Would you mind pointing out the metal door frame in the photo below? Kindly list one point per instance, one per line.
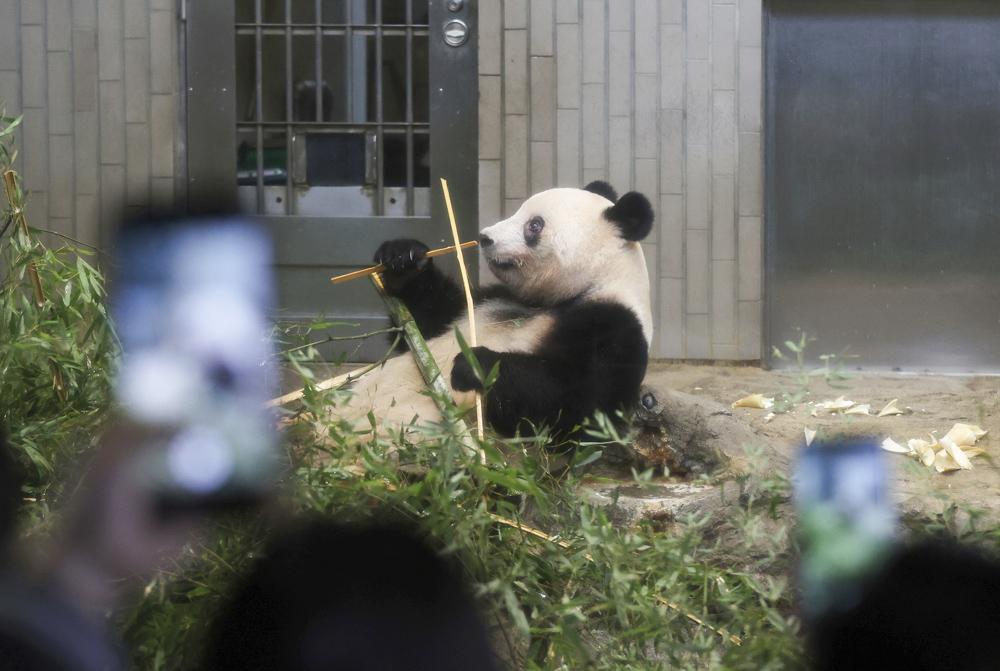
(210, 36)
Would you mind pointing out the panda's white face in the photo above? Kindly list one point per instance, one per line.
(556, 246)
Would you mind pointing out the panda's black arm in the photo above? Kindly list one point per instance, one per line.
(594, 359)
(433, 298)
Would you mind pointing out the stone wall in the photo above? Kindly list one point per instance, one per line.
(660, 96)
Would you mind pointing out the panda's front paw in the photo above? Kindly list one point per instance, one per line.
(402, 256)
(463, 378)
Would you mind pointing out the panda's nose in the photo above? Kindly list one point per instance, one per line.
(485, 241)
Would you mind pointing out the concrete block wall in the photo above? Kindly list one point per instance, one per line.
(97, 81)
(658, 96)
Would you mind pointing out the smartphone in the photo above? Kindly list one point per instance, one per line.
(846, 521)
(190, 301)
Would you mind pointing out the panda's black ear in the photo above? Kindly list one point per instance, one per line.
(633, 214)
(602, 189)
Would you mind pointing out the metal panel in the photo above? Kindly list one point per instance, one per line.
(342, 117)
(209, 57)
(454, 119)
(883, 151)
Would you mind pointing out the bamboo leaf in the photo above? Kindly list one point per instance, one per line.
(12, 124)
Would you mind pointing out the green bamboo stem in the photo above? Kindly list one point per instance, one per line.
(15, 200)
(429, 370)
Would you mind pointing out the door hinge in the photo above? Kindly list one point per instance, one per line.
(182, 10)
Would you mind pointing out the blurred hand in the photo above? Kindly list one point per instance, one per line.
(114, 530)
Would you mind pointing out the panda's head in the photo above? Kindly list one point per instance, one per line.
(562, 243)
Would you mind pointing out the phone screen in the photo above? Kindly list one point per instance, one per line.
(846, 521)
(191, 304)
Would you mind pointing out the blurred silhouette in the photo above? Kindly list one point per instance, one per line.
(933, 606)
(871, 602)
(10, 495)
(40, 629)
(331, 597)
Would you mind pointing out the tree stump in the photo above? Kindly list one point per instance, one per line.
(686, 435)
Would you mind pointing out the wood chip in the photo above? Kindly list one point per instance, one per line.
(890, 409)
(758, 401)
(890, 445)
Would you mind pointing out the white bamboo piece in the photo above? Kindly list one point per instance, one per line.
(473, 341)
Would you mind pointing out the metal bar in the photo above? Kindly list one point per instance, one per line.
(305, 28)
(318, 74)
(409, 108)
(379, 115)
(289, 107)
(419, 126)
(349, 60)
(259, 87)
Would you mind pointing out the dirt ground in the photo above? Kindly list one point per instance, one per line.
(932, 402)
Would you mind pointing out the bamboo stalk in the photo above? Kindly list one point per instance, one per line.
(10, 186)
(364, 272)
(441, 392)
(329, 383)
(469, 305)
(17, 211)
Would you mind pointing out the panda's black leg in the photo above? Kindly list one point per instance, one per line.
(593, 359)
(528, 392)
(433, 298)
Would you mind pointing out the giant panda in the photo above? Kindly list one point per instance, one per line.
(569, 320)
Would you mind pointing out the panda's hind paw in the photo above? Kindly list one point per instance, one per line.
(401, 256)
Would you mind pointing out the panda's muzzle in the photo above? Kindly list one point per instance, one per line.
(503, 263)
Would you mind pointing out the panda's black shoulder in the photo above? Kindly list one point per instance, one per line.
(586, 324)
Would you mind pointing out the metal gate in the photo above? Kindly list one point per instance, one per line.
(337, 119)
(883, 154)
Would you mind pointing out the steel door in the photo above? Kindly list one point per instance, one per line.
(331, 121)
(883, 154)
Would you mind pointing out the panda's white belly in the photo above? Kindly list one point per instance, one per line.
(394, 392)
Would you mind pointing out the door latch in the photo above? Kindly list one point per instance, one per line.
(456, 32)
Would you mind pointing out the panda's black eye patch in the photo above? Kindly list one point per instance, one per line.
(533, 230)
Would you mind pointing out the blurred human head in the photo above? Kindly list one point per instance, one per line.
(933, 606)
(330, 597)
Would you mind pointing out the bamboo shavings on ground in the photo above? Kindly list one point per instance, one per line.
(890, 409)
(952, 452)
(839, 404)
(758, 401)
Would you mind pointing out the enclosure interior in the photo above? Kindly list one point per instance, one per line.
(882, 159)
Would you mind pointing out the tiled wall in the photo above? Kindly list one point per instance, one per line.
(659, 96)
(97, 81)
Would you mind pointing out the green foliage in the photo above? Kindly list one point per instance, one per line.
(795, 353)
(56, 343)
(588, 595)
